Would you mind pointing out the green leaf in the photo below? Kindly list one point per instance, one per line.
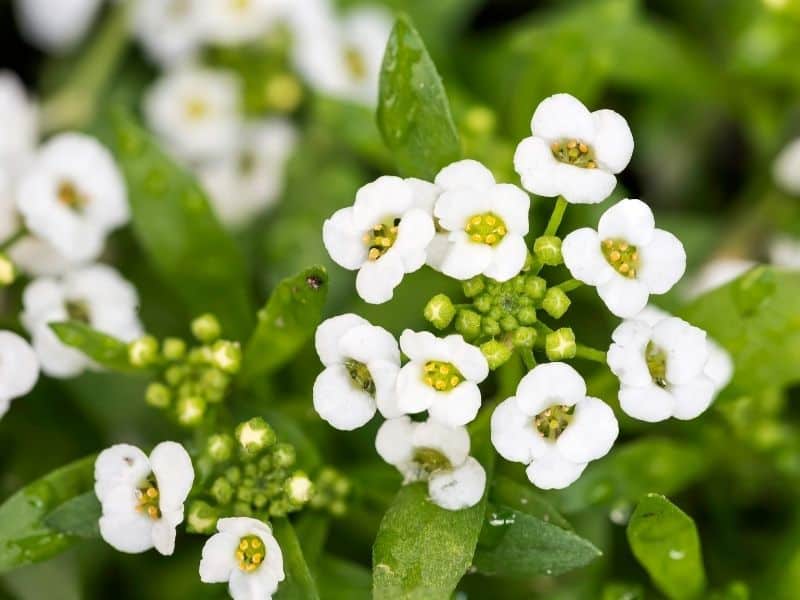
(422, 550)
(516, 544)
(78, 516)
(286, 323)
(298, 584)
(524, 499)
(25, 537)
(177, 229)
(312, 529)
(343, 580)
(102, 348)
(413, 111)
(650, 464)
(664, 540)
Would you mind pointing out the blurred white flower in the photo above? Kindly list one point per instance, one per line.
(249, 180)
(342, 57)
(483, 222)
(552, 426)
(170, 31)
(627, 258)
(384, 234)
(19, 368)
(432, 452)
(72, 195)
(196, 111)
(716, 273)
(573, 152)
(96, 295)
(361, 365)
(786, 168)
(784, 251)
(19, 129)
(246, 555)
(442, 377)
(55, 26)
(230, 22)
(142, 498)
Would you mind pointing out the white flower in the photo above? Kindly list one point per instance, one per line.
(343, 58)
(361, 366)
(20, 126)
(236, 21)
(96, 295)
(786, 169)
(627, 258)
(573, 153)
(784, 251)
(196, 111)
(55, 26)
(19, 368)
(662, 369)
(717, 273)
(442, 377)
(142, 498)
(72, 195)
(171, 31)
(552, 426)
(435, 453)
(246, 182)
(246, 555)
(383, 235)
(484, 223)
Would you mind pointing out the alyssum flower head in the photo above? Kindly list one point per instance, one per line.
(142, 498)
(434, 453)
(573, 153)
(361, 366)
(552, 426)
(627, 258)
(19, 368)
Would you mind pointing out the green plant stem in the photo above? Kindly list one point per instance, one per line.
(569, 285)
(556, 216)
(18, 235)
(589, 353)
(528, 358)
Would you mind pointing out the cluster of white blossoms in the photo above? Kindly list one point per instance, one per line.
(470, 227)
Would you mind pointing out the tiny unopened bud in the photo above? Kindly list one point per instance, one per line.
(490, 326)
(535, 287)
(483, 303)
(158, 395)
(560, 344)
(8, 272)
(497, 353)
(284, 455)
(233, 474)
(468, 324)
(524, 337)
(173, 348)
(255, 435)
(221, 490)
(299, 488)
(283, 92)
(508, 323)
(547, 249)
(175, 374)
(440, 311)
(526, 315)
(220, 447)
(480, 120)
(243, 509)
(337, 508)
(473, 287)
(206, 328)
(143, 352)
(556, 302)
(227, 356)
(201, 517)
(191, 410)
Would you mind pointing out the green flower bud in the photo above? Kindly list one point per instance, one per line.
(158, 395)
(483, 303)
(233, 474)
(299, 488)
(284, 455)
(480, 120)
(260, 500)
(518, 284)
(243, 509)
(255, 435)
(206, 328)
(548, 250)
(497, 313)
(508, 323)
(202, 355)
(468, 324)
(280, 507)
(227, 356)
(143, 352)
(556, 302)
(337, 508)
(440, 311)
(8, 272)
(265, 464)
(560, 344)
(535, 287)
(201, 517)
(527, 315)
(490, 326)
(220, 447)
(175, 374)
(496, 353)
(245, 494)
(473, 287)
(173, 348)
(221, 490)
(250, 471)
(191, 410)
(524, 337)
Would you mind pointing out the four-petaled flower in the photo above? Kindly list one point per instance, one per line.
(19, 368)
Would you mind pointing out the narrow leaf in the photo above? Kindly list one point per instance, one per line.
(664, 540)
(298, 585)
(524, 499)
(340, 579)
(78, 516)
(413, 110)
(102, 348)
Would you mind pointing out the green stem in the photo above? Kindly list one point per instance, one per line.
(18, 235)
(569, 285)
(589, 353)
(528, 358)
(556, 216)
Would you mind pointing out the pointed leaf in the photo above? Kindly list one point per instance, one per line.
(105, 350)
(298, 585)
(79, 516)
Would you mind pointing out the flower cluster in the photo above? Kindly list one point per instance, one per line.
(471, 228)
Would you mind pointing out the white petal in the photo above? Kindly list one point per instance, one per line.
(413, 394)
(19, 367)
(414, 233)
(458, 406)
(584, 258)
(384, 375)
(550, 384)
(623, 296)
(786, 169)
(338, 401)
(464, 174)
(662, 262)
(418, 345)
(536, 165)
(508, 258)
(626, 357)
(454, 208)
(132, 535)
(330, 333)
(377, 279)
(563, 116)
(628, 220)
(466, 259)
(173, 470)
(343, 240)
(467, 358)
(243, 526)
(513, 434)
(553, 471)
(453, 442)
(425, 193)
(458, 488)
(368, 342)
(647, 403)
(584, 186)
(651, 315)
(250, 586)
(719, 367)
(437, 251)
(163, 533)
(512, 205)
(591, 433)
(685, 346)
(613, 140)
(218, 558)
(386, 197)
(693, 398)
(121, 464)
(394, 441)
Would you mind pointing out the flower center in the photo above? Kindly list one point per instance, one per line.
(355, 63)
(250, 553)
(574, 152)
(196, 108)
(78, 310)
(552, 421)
(240, 5)
(360, 376)
(441, 376)
(381, 237)
(430, 460)
(246, 163)
(622, 256)
(487, 228)
(178, 8)
(70, 196)
(147, 498)
(656, 360)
